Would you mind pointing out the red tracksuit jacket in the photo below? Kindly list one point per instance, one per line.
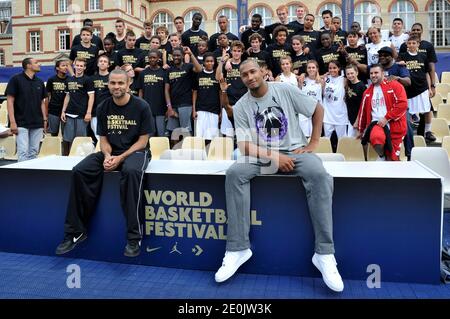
(396, 104)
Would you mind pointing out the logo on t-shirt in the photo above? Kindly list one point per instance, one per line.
(271, 124)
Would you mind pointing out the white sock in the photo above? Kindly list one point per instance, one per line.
(427, 127)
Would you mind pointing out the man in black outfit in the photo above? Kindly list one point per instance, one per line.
(95, 39)
(191, 37)
(124, 125)
(255, 28)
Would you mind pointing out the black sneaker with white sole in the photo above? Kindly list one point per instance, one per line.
(70, 242)
(133, 248)
(429, 137)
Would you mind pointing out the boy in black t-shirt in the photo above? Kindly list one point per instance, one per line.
(143, 42)
(206, 98)
(278, 50)
(78, 103)
(151, 84)
(101, 90)
(124, 125)
(129, 55)
(328, 52)
(192, 36)
(86, 50)
(222, 40)
(56, 89)
(255, 52)
(236, 88)
(178, 91)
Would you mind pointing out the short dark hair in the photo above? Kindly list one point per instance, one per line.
(103, 56)
(58, 62)
(120, 21)
(130, 33)
(208, 54)
(85, 21)
(398, 19)
(257, 16)
(377, 65)
(278, 29)
(158, 53)
(197, 14)
(413, 37)
(179, 18)
(354, 33)
(26, 62)
(324, 12)
(419, 24)
(311, 15)
(87, 29)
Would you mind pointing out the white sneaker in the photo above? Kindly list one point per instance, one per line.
(330, 275)
(381, 159)
(231, 263)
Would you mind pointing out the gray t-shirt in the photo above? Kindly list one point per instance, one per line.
(272, 120)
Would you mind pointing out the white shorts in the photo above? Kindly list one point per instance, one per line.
(226, 127)
(420, 103)
(207, 125)
(341, 130)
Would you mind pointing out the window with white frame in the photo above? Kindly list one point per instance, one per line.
(34, 7)
(163, 19)
(64, 40)
(130, 6)
(94, 5)
(333, 7)
(143, 13)
(63, 6)
(188, 20)
(439, 22)
(5, 14)
(2, 57)
(35, 41)
(364, 12)
(97, 32)
(405, 10)
(231, 14)
(265, 13)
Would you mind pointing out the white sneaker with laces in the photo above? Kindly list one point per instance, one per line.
(231, 263)
(330, 275)
(381, 159)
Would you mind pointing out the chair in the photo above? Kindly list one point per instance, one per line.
(446, 144)
(9, 143)
(51, 145)
(445, 77)
(158, 145)
(4, 106)
(324, 145)
(82, 146)
(443, 89)
(97, 147)
(351, 148)
(443, 112)
(3, 88)
(436, 101)
(331, 157)
(436, 77)
(439, 128)
(419, 141)
(184, 154)
(436, 159)
(193, 142)
(3, 117)
(221, 148)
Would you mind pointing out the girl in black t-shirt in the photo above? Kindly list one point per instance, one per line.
(354, 91)
(299, 58)
(327, 53)
(56, 89)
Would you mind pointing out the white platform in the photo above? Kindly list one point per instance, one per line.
(336, 169)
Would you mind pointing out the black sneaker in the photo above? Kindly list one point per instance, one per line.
(429, 137)
(69, 243)
(132, 249)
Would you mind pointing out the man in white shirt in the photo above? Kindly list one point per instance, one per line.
(398, 37)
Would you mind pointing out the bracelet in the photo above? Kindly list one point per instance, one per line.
(45, 120)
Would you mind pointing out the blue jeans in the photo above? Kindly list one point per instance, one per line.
(28, 142)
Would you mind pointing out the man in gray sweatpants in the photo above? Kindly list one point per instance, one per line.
(271, 140)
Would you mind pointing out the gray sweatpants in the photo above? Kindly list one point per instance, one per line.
(319, 192)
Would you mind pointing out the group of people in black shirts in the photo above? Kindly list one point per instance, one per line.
(192, 82)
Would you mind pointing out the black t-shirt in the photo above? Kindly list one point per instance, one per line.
(101, 90)
(89, 54)
(417, 66)
(353, 99)
(261, 56)
(298, 25)
(152, 83)
(79, 89)
(129, 56)
(143, 43)
(191, 38)
(326, 55)
(56, 87)
(218, 56)
(276, 52)
(112, 60)
(208, 90)
(123, 125)
(181, 81)
(237, 88)
(292, 30)
(95, 40)
(134, 88)
(213, 44)
(120, 45)
(247, 33)
(299, 62)
(360, 55)
(340, 36)
(424, 47)
(28, 95)
(312, 39)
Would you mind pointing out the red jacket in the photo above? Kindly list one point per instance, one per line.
(396, 104)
